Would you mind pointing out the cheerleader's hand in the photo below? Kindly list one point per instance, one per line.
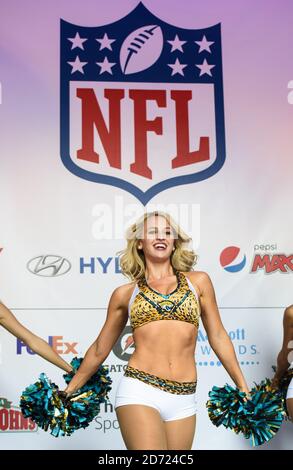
(65, 397)
(276, 381)
(246, 391)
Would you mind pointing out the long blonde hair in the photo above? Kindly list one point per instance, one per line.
(132, 260)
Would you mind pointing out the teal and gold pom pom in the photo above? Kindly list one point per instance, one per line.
(100, 382)
(226, 406)
(40, 402)
(257, 417)
(266, 386)
(44, 404)
(266, 413)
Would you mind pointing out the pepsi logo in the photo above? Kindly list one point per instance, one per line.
(232, 259)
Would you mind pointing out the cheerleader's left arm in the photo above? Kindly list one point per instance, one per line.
(285, 354)
(218, 337)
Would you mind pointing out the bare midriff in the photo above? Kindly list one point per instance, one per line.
(166, 348)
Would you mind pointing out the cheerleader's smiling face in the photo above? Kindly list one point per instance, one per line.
(158, 238)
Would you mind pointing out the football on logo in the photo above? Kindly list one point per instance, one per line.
(232, 260)
(141, 49)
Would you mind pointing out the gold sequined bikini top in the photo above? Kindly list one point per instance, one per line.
(147, 305)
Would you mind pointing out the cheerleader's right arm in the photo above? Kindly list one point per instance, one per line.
(117, 316)
(34, 342)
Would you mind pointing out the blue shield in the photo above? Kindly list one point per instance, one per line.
(142, 104)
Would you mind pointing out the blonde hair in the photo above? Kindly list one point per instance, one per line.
(132, 260)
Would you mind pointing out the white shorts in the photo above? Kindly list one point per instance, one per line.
(290, 390)
(132, 391)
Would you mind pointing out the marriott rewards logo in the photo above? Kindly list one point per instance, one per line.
(247, 352)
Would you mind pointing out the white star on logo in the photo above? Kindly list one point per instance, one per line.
(77, 41)
(205, 68)
(177, 67)
(77, 65)
(176, 44)
(204, 45)
(105, 42)
(106, 66)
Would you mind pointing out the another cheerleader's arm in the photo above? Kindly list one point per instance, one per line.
(117, 316)
(34, 342)
(218, 338)
(287, 346)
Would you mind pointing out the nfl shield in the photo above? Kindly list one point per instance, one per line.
(142, 103)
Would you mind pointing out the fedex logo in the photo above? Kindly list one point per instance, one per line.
(56, 342)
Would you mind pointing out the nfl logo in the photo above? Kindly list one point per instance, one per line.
(142, 103)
